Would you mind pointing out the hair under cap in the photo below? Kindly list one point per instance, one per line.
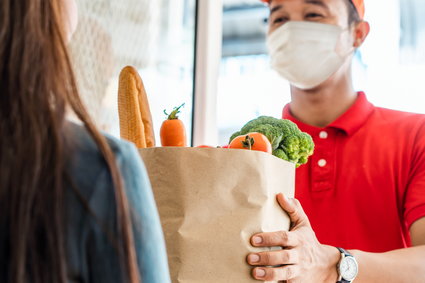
(359, 4)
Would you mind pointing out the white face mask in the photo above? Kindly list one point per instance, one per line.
(306, 53)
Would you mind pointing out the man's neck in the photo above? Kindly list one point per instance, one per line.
(321, 106)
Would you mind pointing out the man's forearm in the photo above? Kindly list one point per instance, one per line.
(398, 266)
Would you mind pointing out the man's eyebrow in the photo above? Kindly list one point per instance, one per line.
(276, 8)
(313, 2)
(318, 3)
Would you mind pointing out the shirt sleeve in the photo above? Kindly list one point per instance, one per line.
(414, 206)
(148, 235)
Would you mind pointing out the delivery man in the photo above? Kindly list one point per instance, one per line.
(359, 211)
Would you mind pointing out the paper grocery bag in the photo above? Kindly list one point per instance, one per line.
(211, 201)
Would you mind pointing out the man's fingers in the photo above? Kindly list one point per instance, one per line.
(273, 258)
(276, 274)
(275, 239)
(294, 209)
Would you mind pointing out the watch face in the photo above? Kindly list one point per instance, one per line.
(348, 268)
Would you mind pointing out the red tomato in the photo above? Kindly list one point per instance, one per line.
(204, 146)
(252, 141)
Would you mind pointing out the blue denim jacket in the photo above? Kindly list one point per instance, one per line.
(91, 214)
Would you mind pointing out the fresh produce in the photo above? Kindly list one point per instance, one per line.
(173, 132)
(252, 141)
(287, 141)
(133, 108)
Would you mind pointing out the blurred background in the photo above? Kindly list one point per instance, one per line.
(157, 37)
(212, 56)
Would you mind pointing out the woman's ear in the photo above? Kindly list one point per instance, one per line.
(361, 31)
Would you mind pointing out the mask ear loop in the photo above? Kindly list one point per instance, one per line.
(339, 48)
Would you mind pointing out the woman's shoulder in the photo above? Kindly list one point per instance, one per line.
(95, 189)
(90, 206)
(83, 144)
(86, 165)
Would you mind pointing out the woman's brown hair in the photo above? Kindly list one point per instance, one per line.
(37, 86)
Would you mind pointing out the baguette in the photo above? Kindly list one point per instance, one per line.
(145, 112)
(131, 123)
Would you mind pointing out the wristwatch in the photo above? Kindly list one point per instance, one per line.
(347, 267)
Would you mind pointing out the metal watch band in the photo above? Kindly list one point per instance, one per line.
(346, 253)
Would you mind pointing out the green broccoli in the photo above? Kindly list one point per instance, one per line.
(288, 142)
(273, 134)
(280, 154)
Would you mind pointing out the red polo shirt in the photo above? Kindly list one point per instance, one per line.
(365, 183)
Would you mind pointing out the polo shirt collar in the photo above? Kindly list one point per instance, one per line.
(349, 122)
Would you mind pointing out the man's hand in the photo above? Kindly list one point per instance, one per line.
(302, 259)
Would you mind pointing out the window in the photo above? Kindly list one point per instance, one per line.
(156, 37)
(412, 28)
(247, 87)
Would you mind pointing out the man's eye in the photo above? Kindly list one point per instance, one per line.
(280, 20)
(313, 16)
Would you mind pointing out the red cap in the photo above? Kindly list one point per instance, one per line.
(360, 7)
(358, 3)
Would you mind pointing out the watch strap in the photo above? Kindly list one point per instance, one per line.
(346, 254)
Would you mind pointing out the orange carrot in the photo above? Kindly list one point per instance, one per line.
(173, 132)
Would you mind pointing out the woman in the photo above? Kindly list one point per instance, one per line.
(74, 206)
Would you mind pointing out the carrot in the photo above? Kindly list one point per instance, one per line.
(173, 132)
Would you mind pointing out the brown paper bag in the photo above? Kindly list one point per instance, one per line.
(211, 201)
